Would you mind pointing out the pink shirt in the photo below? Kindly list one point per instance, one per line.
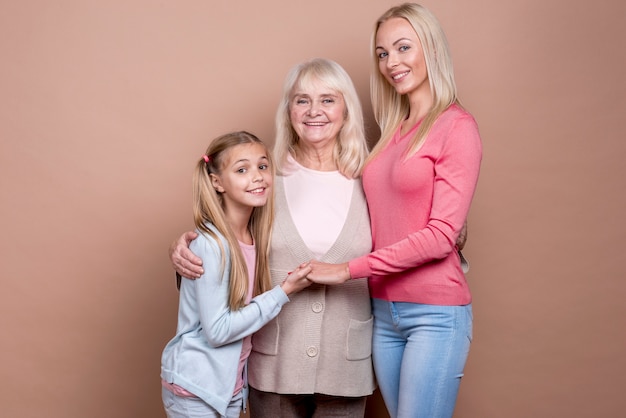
(417, 209)
(249, 254)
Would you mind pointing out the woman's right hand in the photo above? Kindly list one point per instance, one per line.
(296, 280)
(183, 260)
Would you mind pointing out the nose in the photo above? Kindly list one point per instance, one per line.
(392, 60)
(314, 109)
(257, 176)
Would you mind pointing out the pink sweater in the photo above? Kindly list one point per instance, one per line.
(417, 209)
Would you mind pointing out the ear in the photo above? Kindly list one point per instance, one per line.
(217, 184)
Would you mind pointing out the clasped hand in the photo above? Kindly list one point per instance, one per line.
(188, 265)
(324, 273)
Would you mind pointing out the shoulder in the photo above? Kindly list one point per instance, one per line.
(455, 124)
(207, 244)
(455, 116)
(455, 132)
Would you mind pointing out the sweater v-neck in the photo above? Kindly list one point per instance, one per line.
(399, 137)
(299, 248)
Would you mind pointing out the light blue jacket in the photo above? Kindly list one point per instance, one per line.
(204, 355)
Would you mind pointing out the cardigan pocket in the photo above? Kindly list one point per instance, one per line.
(265, 340)
(360, 339)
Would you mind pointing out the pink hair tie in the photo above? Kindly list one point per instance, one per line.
(207, 159)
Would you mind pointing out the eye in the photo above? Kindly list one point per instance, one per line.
(301, 101)
(382, 55)
(328, 101)
(264, 167)
(241, 170)
(404, 48)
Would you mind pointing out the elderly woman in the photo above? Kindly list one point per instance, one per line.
(315, 357)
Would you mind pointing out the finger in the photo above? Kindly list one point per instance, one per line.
(303, 271)
(190, 257)
(301, 274)
(188, 237)
(190, 274)
(188, 269)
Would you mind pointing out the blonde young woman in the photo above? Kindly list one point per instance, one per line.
(419, 182)
(314, 359)
(202, 367)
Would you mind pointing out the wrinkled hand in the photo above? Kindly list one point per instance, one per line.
(324, 273)
(186, 263)
(297, 280)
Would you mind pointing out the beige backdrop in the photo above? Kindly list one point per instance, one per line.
(106, 106)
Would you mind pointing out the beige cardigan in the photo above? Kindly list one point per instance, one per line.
(321, 340)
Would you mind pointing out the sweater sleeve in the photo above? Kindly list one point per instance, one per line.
(456, 170)
(220, 324)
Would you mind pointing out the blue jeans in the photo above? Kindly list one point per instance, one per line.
(419, 352)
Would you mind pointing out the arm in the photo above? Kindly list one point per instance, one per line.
(210, 293)
(455, 174)
(324, 273)
(185, 262)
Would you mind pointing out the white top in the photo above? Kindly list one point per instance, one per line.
(318, 202)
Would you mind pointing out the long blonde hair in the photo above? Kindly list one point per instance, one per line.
(391, 108)
(208, 207)
(350, 150)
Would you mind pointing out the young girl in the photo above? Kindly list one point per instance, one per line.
(202, 367)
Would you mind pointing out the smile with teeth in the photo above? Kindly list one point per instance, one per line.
(315, 123)
(399, 76)
(260, 190)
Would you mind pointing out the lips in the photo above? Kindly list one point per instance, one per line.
(399, 76)
(315, 123)
(259, 190)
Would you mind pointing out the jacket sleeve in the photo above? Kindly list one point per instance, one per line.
(455, 174)
(220, 324)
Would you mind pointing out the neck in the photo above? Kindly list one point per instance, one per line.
(238, 222)
(420, 104)
(316, 158)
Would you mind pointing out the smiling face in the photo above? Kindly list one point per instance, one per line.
(245, 179)
(401, 58)
(317, 114)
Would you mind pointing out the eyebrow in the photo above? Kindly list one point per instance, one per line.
(331, 94)
(245, 160)
(396, 42)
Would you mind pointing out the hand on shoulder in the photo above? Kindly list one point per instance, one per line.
(185, 262)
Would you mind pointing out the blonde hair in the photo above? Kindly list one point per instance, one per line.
(350, 150)
(208, 207)
(391, 108)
